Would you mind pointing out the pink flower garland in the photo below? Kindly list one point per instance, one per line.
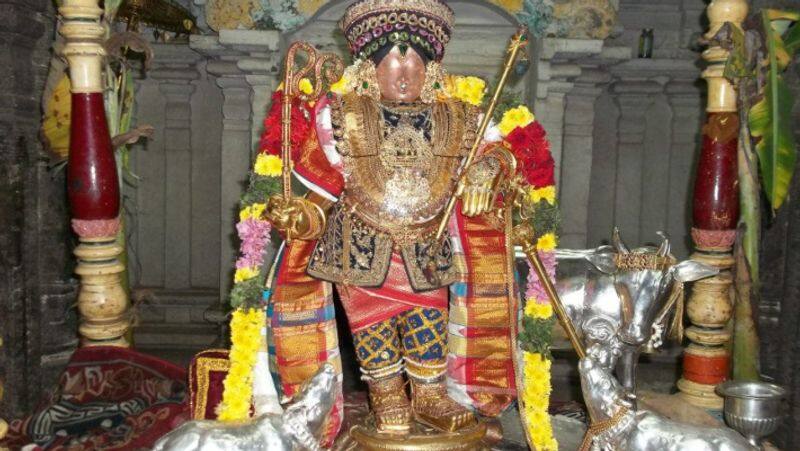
(534, 288)
(255, 237)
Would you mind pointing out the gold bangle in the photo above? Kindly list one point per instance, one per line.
(315, 216)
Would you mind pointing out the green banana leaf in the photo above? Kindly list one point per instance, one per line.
(770, 118)
(780, 26)
(110, 8)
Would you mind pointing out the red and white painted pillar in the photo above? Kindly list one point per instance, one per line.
(93, 186)
(706, 361)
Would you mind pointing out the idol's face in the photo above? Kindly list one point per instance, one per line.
(401, 76)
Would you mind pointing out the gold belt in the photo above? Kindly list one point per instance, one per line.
(401, 234)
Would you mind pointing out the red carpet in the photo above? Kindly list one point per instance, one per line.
(108, 399)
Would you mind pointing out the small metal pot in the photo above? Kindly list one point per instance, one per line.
(754, 409)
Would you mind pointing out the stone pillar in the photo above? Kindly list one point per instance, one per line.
(686, 101)
(555, 70)
(175, 69)
(635, 95)
(247, 66)
(570, 74)
(236, 148)
(706, 361)
(576, 156)
(92, 182)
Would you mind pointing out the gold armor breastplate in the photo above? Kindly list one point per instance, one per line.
(397, 178)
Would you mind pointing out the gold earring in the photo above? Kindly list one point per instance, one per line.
(434, 82)
(365, 83)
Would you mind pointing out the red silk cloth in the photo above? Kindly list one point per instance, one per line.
(368, 306)
(207, 373)
(304, 327)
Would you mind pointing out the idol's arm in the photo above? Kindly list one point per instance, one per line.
(301, 218)
(485, 177)
(316, 166)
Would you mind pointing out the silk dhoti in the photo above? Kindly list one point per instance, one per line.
(367, 306)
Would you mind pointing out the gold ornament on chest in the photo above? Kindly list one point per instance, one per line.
(403, 154)
(399, 161)
(405, 146)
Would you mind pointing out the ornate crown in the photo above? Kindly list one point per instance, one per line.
(426, 25)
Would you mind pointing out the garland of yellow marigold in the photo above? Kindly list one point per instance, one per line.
(527, 140)
(249, 296)
(246, 326)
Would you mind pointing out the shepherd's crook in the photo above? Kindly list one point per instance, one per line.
(291, 90)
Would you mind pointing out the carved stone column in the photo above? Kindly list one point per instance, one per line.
(93, 186)
(246, 64)
(570, 75)
(635, 96)
(706, 361)
(176, 69)
(555, 71)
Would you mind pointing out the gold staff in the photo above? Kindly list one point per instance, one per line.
(328, 69)
(523, 235)
(518, 41)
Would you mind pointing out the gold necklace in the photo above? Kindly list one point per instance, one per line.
(404, 108)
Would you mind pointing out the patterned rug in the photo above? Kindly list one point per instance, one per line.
(108, 399)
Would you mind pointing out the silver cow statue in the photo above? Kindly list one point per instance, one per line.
(627, 429)
(635, 298)
(298, 428)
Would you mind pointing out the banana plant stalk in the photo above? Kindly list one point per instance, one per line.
(768, 121)
(745, 337)
(119, 104)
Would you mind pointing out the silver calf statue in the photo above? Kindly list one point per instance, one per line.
(638, 299)
(298, 428)
(629, 429)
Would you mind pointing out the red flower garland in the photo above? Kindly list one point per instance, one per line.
(532, 150)
(302, 115)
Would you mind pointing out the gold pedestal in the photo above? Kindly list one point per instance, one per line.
(366, 437)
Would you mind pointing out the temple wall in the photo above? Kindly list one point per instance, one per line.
(38, 320)
(646, 132)
(174, 211)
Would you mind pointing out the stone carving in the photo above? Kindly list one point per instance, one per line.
(231, 14)
(578, 19)
(584, 19)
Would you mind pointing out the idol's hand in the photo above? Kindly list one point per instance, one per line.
(297, 217)
(479, 190)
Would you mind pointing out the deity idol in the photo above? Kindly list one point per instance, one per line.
(381, 156)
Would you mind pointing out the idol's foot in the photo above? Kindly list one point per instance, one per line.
(390, 405)
(433, 407)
